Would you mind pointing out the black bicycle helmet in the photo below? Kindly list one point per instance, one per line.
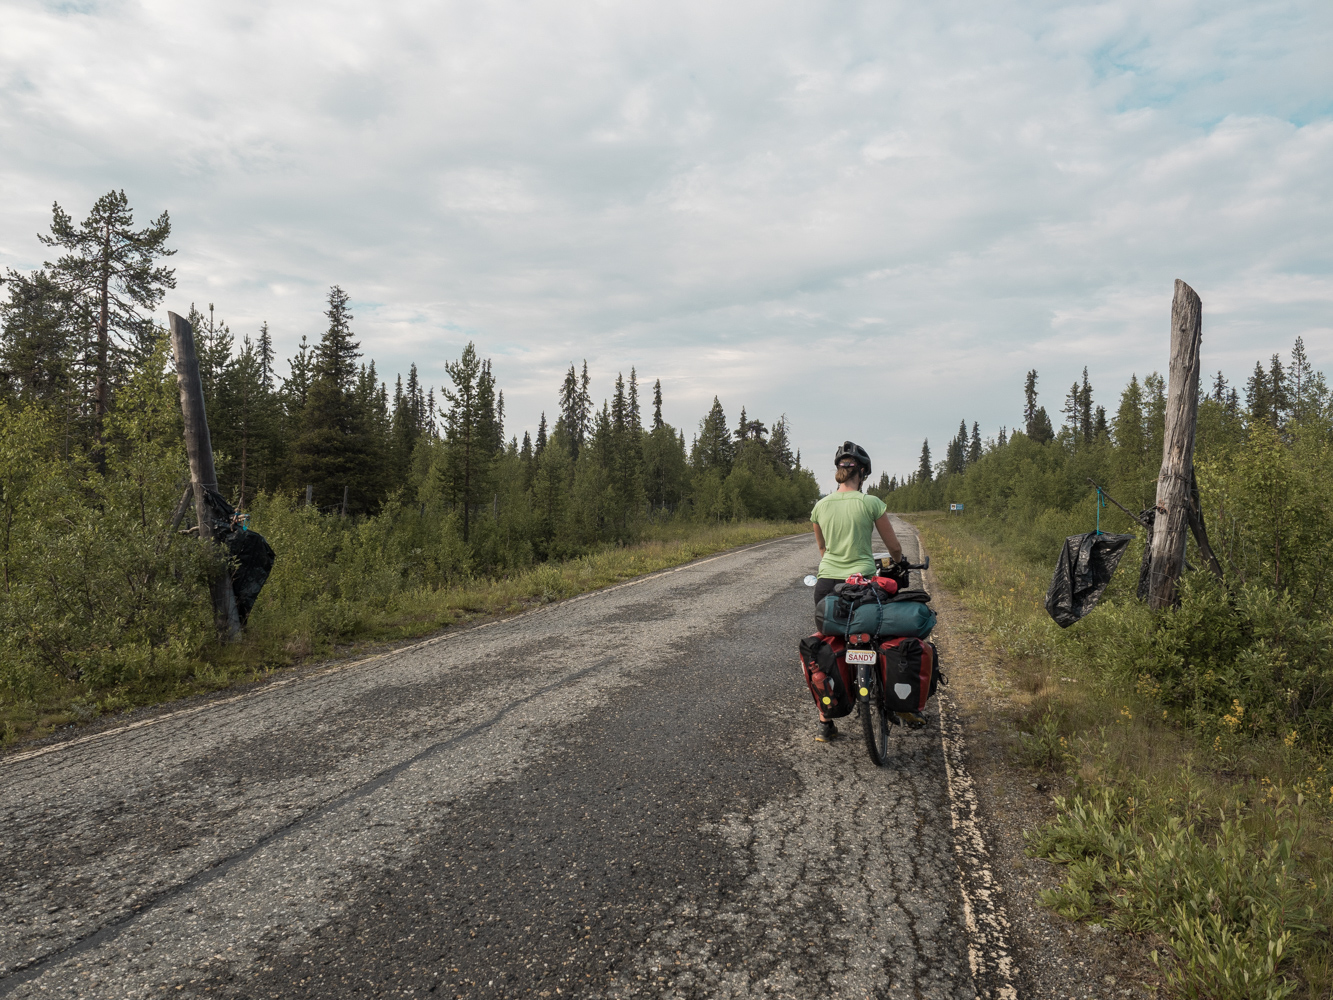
(851, 450)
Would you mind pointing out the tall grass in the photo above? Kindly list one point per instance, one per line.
(1207, 832)
(340, 583)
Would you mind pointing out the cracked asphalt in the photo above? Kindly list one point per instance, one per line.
(614, 796)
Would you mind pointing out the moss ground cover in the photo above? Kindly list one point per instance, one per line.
(1207, 831)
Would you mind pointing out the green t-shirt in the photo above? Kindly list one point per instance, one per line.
(846, 519)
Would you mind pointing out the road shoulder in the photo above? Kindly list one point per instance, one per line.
(1054, 957)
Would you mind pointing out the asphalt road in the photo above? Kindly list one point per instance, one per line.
(618, 795)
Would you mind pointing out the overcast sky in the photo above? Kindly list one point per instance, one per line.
(874, 217)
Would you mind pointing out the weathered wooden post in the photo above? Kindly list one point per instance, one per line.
(342, 512)
(203, 476)
(309, 494)
(1175, 484)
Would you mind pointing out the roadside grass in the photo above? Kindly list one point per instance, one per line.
(1213, 843)
(285, 631)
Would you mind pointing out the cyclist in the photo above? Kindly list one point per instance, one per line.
(842, 531)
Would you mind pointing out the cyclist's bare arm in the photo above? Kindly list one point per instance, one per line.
(885, 532)
(819, 540)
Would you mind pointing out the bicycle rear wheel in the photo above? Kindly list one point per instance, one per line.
(875, 724)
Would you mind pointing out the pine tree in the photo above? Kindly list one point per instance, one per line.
(541, 436)
(1100, 429)
(1004, 436)
(1220, 388)
(657, 404)
(112, 270)
(974, 446)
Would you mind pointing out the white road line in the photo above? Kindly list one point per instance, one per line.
(989, 952)
(274, 685)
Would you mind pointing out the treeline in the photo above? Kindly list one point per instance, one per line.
(408, 489)
(76, 331)
(1264, 459)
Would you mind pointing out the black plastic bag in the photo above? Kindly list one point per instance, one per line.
(1086, 565)
(253, 560)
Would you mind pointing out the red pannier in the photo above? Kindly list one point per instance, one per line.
(911, 669)
(827, 674)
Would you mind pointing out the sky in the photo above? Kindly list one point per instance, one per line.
(872, 217)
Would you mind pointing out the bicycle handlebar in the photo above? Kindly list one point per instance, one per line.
(884, 559)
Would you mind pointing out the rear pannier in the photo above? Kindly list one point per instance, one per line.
(827, 674)
(911, 672)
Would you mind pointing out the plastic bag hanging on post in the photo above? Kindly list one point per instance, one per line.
(1086, 565)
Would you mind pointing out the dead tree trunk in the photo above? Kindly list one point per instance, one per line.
(1174, 486)
(203, 476)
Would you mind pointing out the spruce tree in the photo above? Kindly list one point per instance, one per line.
(713, 449)
(575, 410)
(39, 342)
(332, 453)
(1030, 402)
(1279, 392)
(264, 355)
(112, 269)
(1071, 411)
(974, 446)
(1154, 414)
(665, 466)
(527, 460)
(1085, 422)
(955, 455)
(924, 472)
(779, 447)
(470, 425)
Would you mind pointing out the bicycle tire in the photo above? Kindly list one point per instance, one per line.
(875, 716)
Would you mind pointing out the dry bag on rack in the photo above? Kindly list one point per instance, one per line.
(862, 608)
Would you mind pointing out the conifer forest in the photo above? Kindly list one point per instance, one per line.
(1264, 461)
(411, 487)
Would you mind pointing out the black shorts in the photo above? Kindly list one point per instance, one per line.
(824, 587)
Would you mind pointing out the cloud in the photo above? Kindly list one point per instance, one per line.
(871, 216)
